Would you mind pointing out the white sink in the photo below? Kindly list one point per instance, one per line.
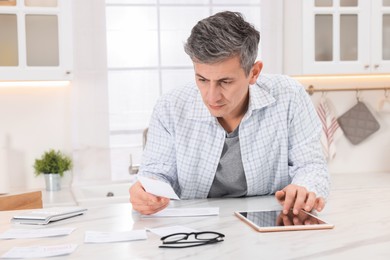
(99, 194)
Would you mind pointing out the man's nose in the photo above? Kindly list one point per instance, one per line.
(214, 94)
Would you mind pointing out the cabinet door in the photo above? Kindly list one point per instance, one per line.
(35, 40)
(381, 36)
(336, 36)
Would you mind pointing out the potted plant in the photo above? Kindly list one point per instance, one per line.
(52, 165)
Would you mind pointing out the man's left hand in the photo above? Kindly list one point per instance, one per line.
(297, 197)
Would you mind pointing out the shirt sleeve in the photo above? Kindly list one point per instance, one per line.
(307, 165)
(159, 156)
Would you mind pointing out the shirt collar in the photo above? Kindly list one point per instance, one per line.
(259, 98)
(199, 110)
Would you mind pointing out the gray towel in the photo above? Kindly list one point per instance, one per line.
(358, 123)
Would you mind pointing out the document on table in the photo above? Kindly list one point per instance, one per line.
(164, 231)
(109, 237)
(40, 251)
(35, 233)
(185, 212)
(158, 188)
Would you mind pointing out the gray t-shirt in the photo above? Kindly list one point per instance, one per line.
(229, 180)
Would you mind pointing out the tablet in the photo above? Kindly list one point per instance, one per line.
(275, 220)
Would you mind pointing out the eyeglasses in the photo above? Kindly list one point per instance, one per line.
(180, 240)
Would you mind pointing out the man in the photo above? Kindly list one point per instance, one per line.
(235, 132)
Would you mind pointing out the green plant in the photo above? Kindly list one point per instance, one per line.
(53, 162)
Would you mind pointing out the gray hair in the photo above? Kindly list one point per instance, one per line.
(223, 36)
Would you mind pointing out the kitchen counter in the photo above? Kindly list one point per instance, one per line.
(63, 197)
(357, 206)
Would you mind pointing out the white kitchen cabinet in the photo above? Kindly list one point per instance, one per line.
(35, 40)
(346, 36)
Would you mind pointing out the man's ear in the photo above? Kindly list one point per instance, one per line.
(255, 72)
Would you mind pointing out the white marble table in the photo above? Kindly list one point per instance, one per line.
(360, 212)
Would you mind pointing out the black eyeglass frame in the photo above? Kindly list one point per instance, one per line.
(200, 242)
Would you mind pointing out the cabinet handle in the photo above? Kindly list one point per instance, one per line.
(376, 66)
(366, 66)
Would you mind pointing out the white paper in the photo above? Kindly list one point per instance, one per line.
(185, 212)
(109, 237)
(35, 233)
(164, 231)
(158, 188)
(40, 251)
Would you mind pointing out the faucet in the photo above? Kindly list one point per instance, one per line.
(133, 169)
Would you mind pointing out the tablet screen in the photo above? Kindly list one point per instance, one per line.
(277, 218)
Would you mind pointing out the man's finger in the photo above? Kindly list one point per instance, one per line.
(151, 209)
(299, 200)
(319, 204)
(280, 195)
(310, 201)
(289, 200)
(137, 192)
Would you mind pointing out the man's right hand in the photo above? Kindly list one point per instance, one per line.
(146, 203)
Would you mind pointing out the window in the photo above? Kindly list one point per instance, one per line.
(146, 59)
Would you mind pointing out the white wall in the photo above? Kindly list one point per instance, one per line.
(271, 35)
(90, 130)
(31, 120)
(293, 38)
(73, 119)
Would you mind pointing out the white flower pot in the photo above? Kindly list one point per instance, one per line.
(53, 181)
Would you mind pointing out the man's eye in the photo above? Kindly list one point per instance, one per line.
(226, 82)
(200, 79)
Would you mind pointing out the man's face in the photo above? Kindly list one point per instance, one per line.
(225, 87)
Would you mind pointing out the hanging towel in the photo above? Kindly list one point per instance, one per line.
(358, 123)
(330, 128)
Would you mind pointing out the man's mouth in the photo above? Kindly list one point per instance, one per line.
(216, 107)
